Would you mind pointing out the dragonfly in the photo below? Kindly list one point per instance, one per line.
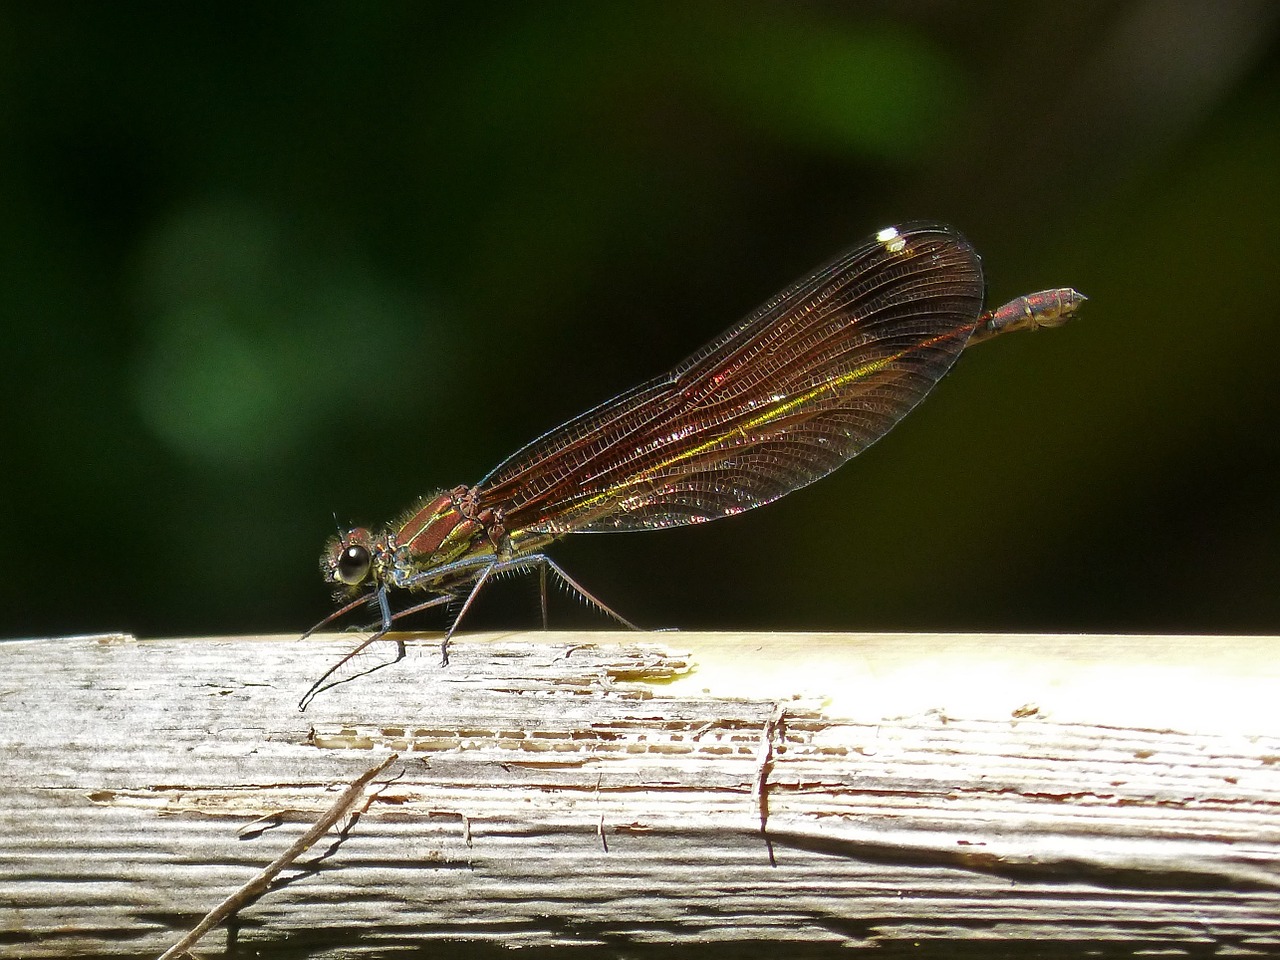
(800, 386)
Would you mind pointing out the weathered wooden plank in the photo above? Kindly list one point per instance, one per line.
(564, 790)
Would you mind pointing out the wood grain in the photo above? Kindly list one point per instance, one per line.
(624, 793)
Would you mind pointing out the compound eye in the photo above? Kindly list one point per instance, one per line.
(353, 564)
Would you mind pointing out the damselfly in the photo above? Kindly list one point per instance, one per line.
(807, 381)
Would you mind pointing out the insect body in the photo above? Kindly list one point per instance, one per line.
(806, 382)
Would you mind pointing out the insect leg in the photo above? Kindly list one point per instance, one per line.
(378, 598)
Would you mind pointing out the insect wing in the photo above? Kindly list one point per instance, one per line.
(807, 381)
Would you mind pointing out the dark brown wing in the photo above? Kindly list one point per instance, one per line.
(809, 380)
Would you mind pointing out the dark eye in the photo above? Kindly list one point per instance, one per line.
(353, 564)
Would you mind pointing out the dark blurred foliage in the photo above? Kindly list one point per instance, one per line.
(264, 262)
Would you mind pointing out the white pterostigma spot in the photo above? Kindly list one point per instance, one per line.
(892, 240)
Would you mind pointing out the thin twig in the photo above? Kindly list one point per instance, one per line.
(258, 885)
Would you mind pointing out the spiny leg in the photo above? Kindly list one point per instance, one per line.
(462, 612)
(541, 561)
(342, 610)
(547, 564)
(425, 605)
(378, 598)
(542, 593)
(544, 564)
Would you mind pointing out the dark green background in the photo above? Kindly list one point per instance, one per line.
(266, 262)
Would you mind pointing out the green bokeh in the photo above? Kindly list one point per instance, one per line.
(265, 264)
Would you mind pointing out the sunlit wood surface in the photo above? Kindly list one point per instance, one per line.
(606, 792)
